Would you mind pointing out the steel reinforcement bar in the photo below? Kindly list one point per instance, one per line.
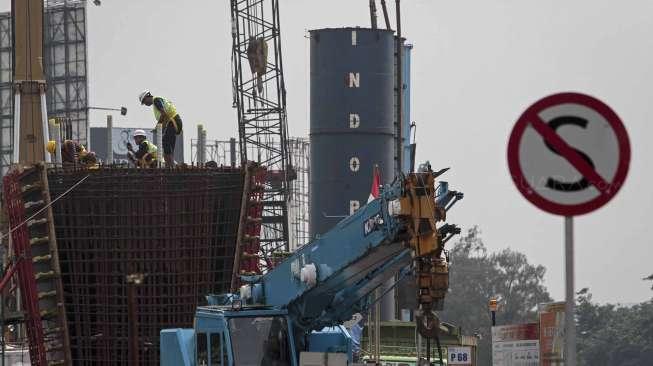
(141, 248)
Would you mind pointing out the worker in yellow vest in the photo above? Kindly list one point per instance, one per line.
(73, 153)
(146, 155)
(165, 114)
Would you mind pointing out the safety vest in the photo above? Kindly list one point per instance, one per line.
(170, 111)
(151, 151)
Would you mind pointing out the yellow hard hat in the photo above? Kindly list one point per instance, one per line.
(51, 146)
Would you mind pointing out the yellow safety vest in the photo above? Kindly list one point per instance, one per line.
(151, 150)
(170, 111)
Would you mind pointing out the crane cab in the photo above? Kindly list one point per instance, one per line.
(223, 336)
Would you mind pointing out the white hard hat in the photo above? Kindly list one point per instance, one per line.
(142, 95)
(139, 133)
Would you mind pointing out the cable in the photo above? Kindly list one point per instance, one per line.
(401, 277)
(437, 342)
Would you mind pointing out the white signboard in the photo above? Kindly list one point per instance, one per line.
(515, 345)
(460, 355)
(120, 137)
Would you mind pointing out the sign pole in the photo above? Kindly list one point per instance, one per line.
(570, 324)
(536, 138)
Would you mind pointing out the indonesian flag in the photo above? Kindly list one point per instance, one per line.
(376, 182)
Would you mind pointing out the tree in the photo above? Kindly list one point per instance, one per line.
(519, 286)
(476, 276)
(613, 335)
(649, 278)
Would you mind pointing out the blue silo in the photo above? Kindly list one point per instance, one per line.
(351, 120)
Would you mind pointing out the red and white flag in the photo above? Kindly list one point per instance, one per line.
(376, 183)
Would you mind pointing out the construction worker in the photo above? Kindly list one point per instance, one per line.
(73, 152)
(146, 155)
(165, 114)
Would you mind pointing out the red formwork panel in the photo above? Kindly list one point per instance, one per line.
(176, 227)
(15, 208)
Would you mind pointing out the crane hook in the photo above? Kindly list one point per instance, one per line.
(428, 323)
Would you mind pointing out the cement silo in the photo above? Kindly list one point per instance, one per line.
(351, 120)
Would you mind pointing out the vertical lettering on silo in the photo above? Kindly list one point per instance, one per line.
(354, 164)
(354, 79)
(354, 120)
(354, 205)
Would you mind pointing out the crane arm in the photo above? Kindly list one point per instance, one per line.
(327, 281)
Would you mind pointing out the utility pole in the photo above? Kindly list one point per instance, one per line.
(386, 17)
(133, 280)
(494, 305)
(570, 299)
(109, 159)
(373, 14)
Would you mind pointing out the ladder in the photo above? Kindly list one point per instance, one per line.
(27, 201)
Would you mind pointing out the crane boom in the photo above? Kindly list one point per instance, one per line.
(333, 275)
(260, 101)
(297, 306)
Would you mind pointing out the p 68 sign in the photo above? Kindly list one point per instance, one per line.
(460, 355)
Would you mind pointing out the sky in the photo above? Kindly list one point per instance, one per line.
(477, 65)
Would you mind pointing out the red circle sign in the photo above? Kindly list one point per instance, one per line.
(569, 154)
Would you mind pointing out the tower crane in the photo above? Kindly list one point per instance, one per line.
(260, 100)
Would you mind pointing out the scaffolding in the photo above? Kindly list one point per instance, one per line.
(260, 100)
(6, 94)
(299, 192)
(65, 64)
(225, 153)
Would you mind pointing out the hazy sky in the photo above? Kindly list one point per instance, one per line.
(476, 66)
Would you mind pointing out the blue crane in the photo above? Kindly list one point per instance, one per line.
(295, 311)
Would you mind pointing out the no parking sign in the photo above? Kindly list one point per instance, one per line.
(569, 154)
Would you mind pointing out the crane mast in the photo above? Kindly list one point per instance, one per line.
(260, 100)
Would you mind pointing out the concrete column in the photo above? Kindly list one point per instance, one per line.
(109, 158)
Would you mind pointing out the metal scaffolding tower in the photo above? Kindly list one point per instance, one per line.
(299, 192)
(260, 100)
(6, 94)
(65, 66)
(226, 153)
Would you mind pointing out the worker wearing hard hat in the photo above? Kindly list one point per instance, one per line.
(73, 152)
(146, 155)
(165, 114)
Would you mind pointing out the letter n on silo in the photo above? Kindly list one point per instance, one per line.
(353, 79)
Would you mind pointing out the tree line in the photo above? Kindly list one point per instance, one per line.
(608, 334)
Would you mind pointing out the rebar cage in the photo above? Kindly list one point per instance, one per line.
(176, 228)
